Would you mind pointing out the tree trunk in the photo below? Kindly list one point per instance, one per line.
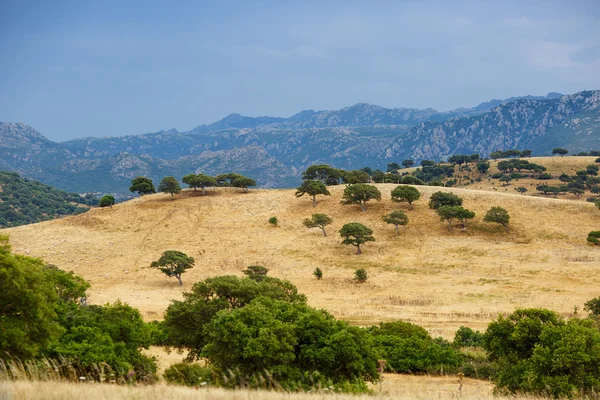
(358, 249)
(323, 229)
(179, 279)
(397, 230)
(203, 192)
(505, 227)
(410, 205)
(314, 200)
(363, 207)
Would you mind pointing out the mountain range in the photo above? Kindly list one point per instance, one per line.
(276, 150)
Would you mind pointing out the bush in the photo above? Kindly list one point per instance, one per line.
(594, 238)
(593, 306)
(188, 374)
(318, 273)
(360, 275)
(439, 199)
(256, 272)
(107, 201)
(467, 337)
(273, 221)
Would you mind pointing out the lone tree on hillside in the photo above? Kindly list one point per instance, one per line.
(396, 218)
(312, 188)
(448, 213)
(169, 185)
(142, 186)
(439, 199)
(406, 194)
(463, 215)
(107, 201)
(318, 221)
(408, 163)
(173, 263)
(199, 181)
(256, 272)
(360, 275)
(243, 183)
(497, 215)
(360, 193)
(594, 238)
(560, 151)
(355, 233)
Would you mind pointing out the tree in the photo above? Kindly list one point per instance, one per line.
(447, 213)
(406, 194)
(169, 185)
(494, 155)
(312, 188)
(560, 151)
(483, 167)
(594, 238)
(107, 201)
(593, 306)
(324, 173)
(142, 186)
(505, 179)
(521, 189)
(427, 163)
(526, 153)
(243, 183)
(360, 193)
(174, 263)
(360, 275)
(463, 215)
(318, 273)
(226, 179)
(411, 180)
(273, 221)
(199, 181)
(256, 272)
(318, 221)
(408, 163)
(393, 167)
(352, 177)
(439, 199)
(355, 234)
(191, 180)
(396, 218)
(497, 215)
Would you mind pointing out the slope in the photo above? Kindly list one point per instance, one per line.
(438, 278)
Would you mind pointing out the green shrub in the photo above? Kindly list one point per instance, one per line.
(594, 237)
(273, 221)
(256, 272)
(318, 273)
(439, 199)
(360, 275)
(467, 337)
(593, 306)
(188, 374)
(107, 201)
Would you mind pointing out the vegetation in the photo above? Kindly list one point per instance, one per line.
(497, 215)
(174, 263)
(323, 173)
(396, 218)
(406, 194)
(360, 194)
(243, 183)
(273, 221)
(439, 199)
(449, 213)
(169, 185)
(256, 272)
(355, 234)
(318, 221)
(188, 374)
(360, 275)
(313, 189)
(23, 201)
(594, 238)
(199, 181)
(560, 151)
(107, 201)
(142, 185)
(318, 273)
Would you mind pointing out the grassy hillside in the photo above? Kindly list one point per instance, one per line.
(24, 201)
(429, 275)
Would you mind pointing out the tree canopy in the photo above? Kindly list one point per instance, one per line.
(396, 218)
(199, 181)
(174, 263)
(169, 185)
(142, 185)
(439, 199)
(497, 215)
(318, 221)
(324, 173)
(406, 194)
(312, 188)
(243, 183)
(107, 201)
(360, 194)
(355, 234)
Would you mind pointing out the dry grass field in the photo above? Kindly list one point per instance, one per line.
(430, 275)
(402, 387)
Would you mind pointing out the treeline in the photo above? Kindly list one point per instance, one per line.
(24, 201)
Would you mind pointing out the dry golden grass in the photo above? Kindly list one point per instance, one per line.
(402, 387)
(437, 278)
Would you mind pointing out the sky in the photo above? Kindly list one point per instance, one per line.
(84, 68)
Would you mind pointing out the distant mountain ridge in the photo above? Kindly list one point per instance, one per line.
(276, 150)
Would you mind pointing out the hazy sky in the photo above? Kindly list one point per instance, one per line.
(107, 68)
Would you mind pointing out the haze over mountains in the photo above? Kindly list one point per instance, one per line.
(275, 150)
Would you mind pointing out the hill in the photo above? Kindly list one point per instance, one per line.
(274, 151)
(23, 201)
(438, 278)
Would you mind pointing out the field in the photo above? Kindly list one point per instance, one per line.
(430, 275)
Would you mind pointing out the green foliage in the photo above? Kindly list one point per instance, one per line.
(158, 334)
(439, 199)
(396, 218)
(185, 320)
(318, 221)
(594, 238)
(408, 348)
(360, 194)
(483, 167)
(521, 189)
(318, 273)
(273, 221)
(519, 165)
(23, 201)
(433, 173)
(355, 234)
(324, 173)
(408, 163)
(256, 272)
(497, 215)
(226, 179)
(313, 189)
(27, 306)
(107, 201)
(467, 337)
(593, 306)
(173, 263)
(411, 180)
(352, 177)
(361, 275)
(142, 186)
(393, 167)
(169, 185)
(199, 181)
(406, 194)
(243, 183)
(188, 374)
(449, 213)
(560, 151)
(291, 341)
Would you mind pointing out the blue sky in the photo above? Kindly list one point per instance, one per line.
(110, 68)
